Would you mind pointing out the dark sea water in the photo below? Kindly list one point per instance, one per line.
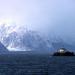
(25, 64)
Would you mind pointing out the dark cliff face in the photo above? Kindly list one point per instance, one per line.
(3, 48)
(64, 54)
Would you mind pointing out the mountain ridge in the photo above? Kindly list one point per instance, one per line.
(20, 38)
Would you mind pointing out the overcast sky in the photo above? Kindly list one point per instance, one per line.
(48, 16)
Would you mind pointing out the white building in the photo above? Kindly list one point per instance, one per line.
(62, 50)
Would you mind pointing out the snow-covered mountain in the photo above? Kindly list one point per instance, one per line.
(19, 38)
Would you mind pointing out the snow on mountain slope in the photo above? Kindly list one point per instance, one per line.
(19, 38)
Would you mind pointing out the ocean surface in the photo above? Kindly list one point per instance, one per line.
(36, 64)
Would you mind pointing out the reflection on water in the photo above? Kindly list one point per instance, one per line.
(36, 65)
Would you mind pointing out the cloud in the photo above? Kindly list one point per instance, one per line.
(46, 16)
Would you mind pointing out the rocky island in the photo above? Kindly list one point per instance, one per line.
(63, 52)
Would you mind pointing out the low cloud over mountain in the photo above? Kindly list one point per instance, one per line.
(17, 38)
